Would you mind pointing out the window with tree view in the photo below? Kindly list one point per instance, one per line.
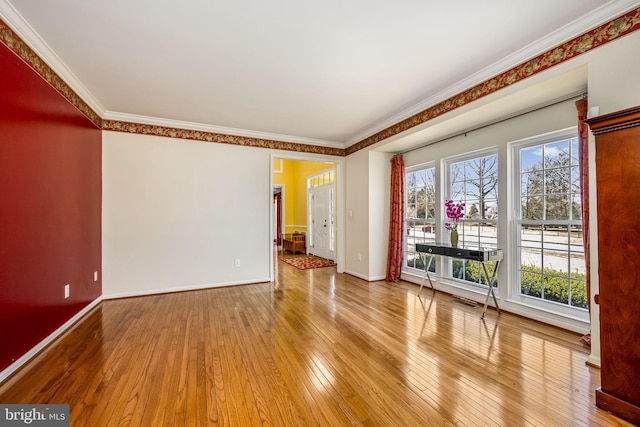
(420, 193)
(549, 225)
(474, 182)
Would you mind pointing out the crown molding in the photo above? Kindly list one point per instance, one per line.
(26, 33)
(22, 29)
(591, 20)
(205, 136)
(221, 130)
(582, 43)
(32, 39)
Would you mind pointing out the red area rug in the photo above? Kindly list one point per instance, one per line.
(307, 261)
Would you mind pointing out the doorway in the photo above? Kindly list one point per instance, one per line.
(291, 172)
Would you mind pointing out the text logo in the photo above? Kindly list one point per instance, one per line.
(34, 415)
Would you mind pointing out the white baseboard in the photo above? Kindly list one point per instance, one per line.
(363, 277)
(42, 344)
(180, 289)
(358, 275)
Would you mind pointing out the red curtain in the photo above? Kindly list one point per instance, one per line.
(395, 253)
(583, 153)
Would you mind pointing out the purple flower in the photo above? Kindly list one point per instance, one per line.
(455, 211)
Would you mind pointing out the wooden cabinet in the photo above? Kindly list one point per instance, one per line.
(294, 242)
(618, 196)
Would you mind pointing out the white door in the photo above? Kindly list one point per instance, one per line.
(321, 221)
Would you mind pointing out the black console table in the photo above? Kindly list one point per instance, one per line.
(482, 255)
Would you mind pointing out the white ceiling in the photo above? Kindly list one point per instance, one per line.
(329, 72)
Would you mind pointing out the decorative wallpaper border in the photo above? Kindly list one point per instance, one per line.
(197, 135)
(592, 39)
(24, 52)
(605, 33)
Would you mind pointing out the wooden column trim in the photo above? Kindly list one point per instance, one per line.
(617, 144)
(612, 122)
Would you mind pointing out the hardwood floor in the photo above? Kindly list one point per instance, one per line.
(313, 348)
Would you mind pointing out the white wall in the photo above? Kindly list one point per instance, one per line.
(357, 214)
(379, 211)
(367, 214)
(178, 213)
(614, 75)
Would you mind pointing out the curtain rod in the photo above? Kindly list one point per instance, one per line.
(559, 101)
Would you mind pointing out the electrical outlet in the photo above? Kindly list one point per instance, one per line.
(95, 276)
(359, 257)
(66, 291)
(237, 263)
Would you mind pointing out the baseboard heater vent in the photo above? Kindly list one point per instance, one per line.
(464, 300)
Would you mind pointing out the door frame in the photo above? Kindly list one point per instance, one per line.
(338, 163)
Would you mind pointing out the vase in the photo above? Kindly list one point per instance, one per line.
(454, 237)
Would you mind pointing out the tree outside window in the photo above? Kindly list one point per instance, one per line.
(420, 214)
(474, 181)
(552, 266)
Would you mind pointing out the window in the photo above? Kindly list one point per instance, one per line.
(420, 211)
(474, 181)
(522, 197)
(549, 222)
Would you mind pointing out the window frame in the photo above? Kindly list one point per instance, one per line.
(405, 267)
(563, 309)
(448, 262)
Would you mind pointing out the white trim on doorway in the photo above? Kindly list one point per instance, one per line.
(338, 162)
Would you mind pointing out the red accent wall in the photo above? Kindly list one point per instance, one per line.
(50, 209)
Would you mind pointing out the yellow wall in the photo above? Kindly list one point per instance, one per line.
(293, 177)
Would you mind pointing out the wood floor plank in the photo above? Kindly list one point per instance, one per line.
(314, 348)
